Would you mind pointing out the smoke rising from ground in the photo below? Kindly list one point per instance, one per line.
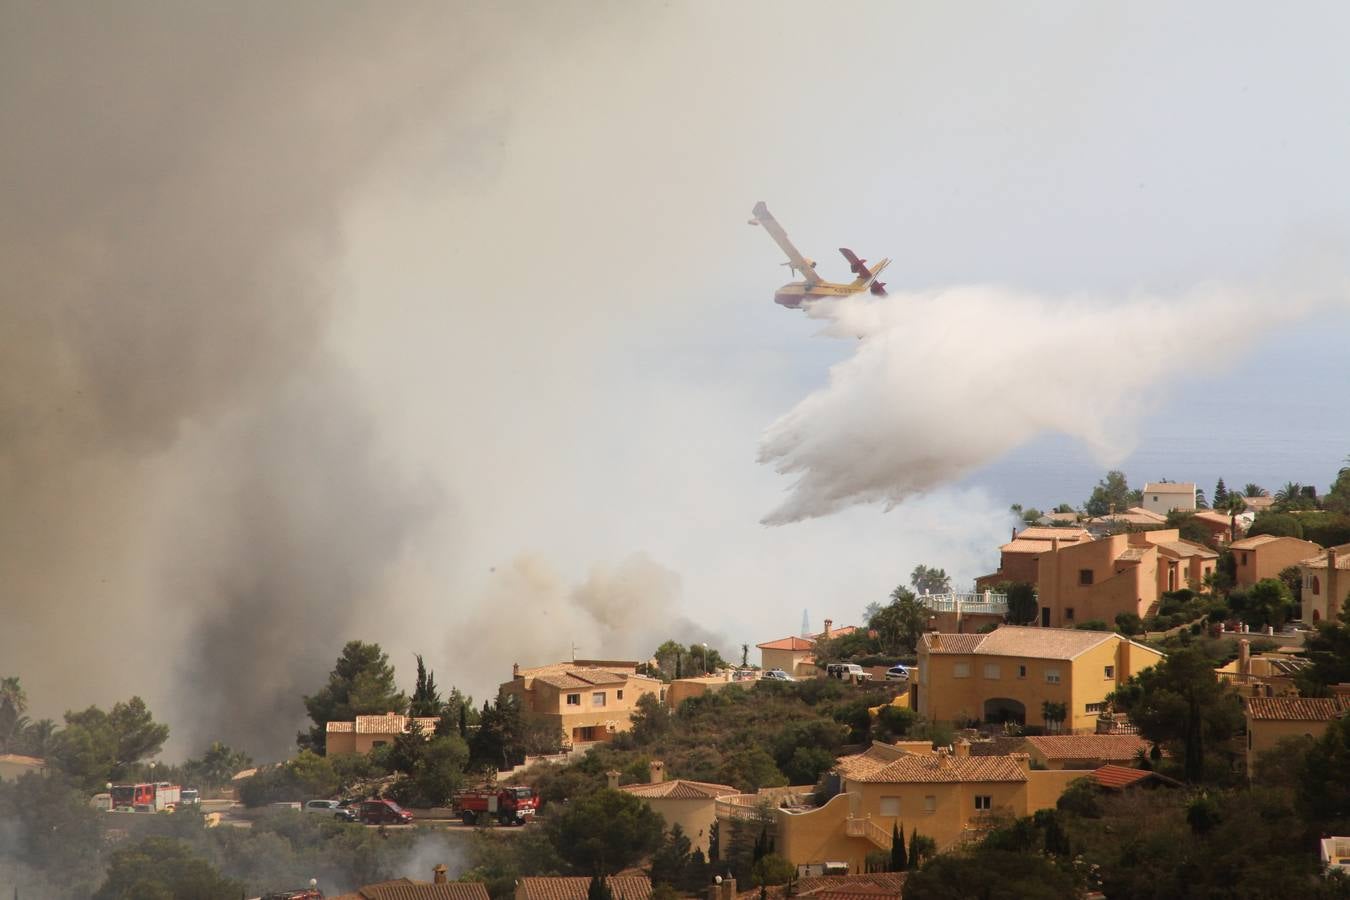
(944, 381)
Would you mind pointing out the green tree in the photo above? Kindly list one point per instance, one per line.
(216, 767)
(605, 832)
(1023, 605)
(1323, 790)
(1054, 715)
(751, 768)
(899, 860)
(1276, 524)
(1255, 490)
(899, 624)
(930, 579)
(991, 874)
(426, 700)
(158, 867)
(1112, 494)
(672, 859)
(1220, 495)
(598, 889)
(48, 825)
(921, 847)
(1129, 624)
(1234, 506)
(1268, 602)
(307, 775)
(13, 705)
(1180, 701)
(361, 683)
(96, 747)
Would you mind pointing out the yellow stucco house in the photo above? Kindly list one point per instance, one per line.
(16, 765)
(1007, 674)
(947, 795)
(690, 804)
(1269, 719)
(368, 732)
(797, 655)
(1265, 556)
(588, 700)
(1326, 584)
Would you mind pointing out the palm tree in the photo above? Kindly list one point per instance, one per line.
(13, 705)
(1255, 490)
(1288, 493)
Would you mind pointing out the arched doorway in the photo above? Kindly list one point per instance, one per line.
(1003, 709)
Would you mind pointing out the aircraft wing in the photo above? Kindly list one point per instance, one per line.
(799, 263)
(856, 266)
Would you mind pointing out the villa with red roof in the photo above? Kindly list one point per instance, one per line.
(797, 655)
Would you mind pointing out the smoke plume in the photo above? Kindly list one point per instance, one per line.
(944, 381)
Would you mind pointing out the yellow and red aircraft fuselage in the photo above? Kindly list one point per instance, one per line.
(812, 286)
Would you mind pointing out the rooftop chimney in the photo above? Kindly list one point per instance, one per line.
(729, 888)
(829, 623)
(657, 770)
(438, 874)
(962, 748)
(1022, 759)
(1244, 657)
(613, 779)
(515, 671)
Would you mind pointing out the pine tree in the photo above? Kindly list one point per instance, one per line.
(464, 721)
(898, 861)
(1220, 494)
(914, 848)
(426, 700)
(714, 843)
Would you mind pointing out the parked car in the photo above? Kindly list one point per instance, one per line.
(898, 673)
(330, 808)
(847, 672)
(778, 675)
(383, 812)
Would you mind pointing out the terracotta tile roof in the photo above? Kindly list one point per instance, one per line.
(679, 789)
(340, 727)
(1320, 561)
(393, 724)
(1119, 777)
(404, 889)
(1184, 549)
(571, 679)
(1209, 515)
(1297, 709)
(623, 887)
(839, 631)
(1132, 554)
(1017, 640)
(1251, 543)
(1169, 487)
(1046, 534)
(935, 769)
(1021, 546)
(952, 643)
(788, 643)
(1259, 502)
(1089, 746)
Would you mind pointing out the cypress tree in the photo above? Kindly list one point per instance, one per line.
(898, 860)
(913, 852)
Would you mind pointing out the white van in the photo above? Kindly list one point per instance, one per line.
(847, 672)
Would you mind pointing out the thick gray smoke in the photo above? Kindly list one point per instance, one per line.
(187, 474)
(944, 381)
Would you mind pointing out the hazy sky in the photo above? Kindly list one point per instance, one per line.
(475, 351)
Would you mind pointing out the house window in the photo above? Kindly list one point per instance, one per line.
(992, 670)
(961, 670)
(1068, 613)
(1095, 707)
(930, 803)
(1021, 671)
(1155, 499)
(598, 698)
(379, 743)
(890, 806)
(573, 699)
(1109, 672)
(618, 695)
(1244, 559)
(1317, 585)
(1052, 676)
(1085, 576)
(984, 802)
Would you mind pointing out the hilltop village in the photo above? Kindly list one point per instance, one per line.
(1146, 698)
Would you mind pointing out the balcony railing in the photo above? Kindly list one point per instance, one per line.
(968, 602)
(866, 828)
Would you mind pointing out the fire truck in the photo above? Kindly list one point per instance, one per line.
(155, 796)
(508, 805)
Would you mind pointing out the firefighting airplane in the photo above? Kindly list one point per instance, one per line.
(813, 287)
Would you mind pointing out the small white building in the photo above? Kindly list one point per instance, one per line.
(1336, 853)
(1164, 496)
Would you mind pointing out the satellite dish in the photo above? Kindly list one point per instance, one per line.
(717, 879)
